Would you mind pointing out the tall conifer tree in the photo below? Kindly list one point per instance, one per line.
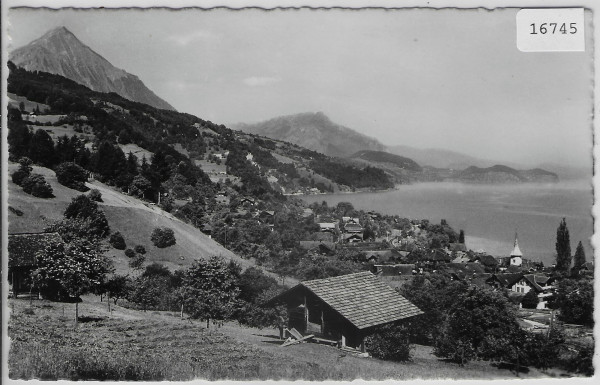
(563, 247)
(579, 259)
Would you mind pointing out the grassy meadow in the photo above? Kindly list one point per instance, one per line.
(135, 345)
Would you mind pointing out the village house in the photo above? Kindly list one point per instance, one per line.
(539, 283)
(344, 309)
(22, 250)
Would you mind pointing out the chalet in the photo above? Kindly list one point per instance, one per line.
(402, 269)
(328, 226)
(352, 238)
(222, 199)
(464, 271)
(353, 228)
(307, 213)
(503, 281)
(347, 220)
(22, 250)
(247, 201)
(207, 229)
(539, 283)
(345, 309)
(380, 256)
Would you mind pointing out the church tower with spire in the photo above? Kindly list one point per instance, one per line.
(516, 256)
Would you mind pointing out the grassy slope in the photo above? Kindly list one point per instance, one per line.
(128, 215)
(129, 344)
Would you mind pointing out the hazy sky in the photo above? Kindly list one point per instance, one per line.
(448, 79)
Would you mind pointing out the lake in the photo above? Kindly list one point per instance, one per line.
(490, 214)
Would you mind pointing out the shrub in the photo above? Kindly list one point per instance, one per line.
(163, 237)
(36, 185)
(389, 342)
(82, 207)
(95, 195)
(530, 300)
(129, 253)
(137, 261)
(18, 176)
(72, 175)
(140, 249)
(23, 172)
(117, 241)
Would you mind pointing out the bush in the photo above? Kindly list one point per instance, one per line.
(72, 175)
(36, 185)
(389, 342)
(530, 300)
(140, 249)
(82, 207)
(18, 176)
(95, 195)
(137, 261)
(117, 241)
(163, 237)
(129, 253)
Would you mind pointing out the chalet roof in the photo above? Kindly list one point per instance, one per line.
(353, 227)
(507, 280)
(394, 270)
(22, 248)
(361, 298)
(534, 283)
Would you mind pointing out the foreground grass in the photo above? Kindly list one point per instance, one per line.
(133, 345)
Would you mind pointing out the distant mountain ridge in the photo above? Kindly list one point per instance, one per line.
(60, 52)
(498, 174)
(314, 131)
(385, 157)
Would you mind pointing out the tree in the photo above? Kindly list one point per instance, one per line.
(117, 241)
(575, 301)
(477, 316)
(23, 172)
(389, 342)
(72, 175)
(461, 236)
(253, 282)
(163, 237)
(563, 248)
(579, 259)
(22, 106)
(36, 185)
(530, 300)
(141, 187)
(41, 149)
(209, 290)
(117, 287)
(95, 195)
(70, 269)
(82, 207)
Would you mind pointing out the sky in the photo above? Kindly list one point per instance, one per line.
(451, 79)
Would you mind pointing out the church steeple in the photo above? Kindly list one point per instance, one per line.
(516, 251)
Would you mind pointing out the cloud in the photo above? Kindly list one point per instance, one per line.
(185, 39)
(258, 81)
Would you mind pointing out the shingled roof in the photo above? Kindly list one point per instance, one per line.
(23, 247)
(362, 299)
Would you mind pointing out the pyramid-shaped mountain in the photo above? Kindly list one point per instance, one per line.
(60, 52)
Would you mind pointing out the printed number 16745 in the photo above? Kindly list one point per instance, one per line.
(553, 28)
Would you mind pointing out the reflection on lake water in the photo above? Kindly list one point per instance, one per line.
(490, 214)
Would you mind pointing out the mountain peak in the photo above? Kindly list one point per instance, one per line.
(60, 52)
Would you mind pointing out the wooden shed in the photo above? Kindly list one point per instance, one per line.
(346, 308)
(22, 250)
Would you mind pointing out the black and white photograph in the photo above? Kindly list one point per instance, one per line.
(298, 190)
